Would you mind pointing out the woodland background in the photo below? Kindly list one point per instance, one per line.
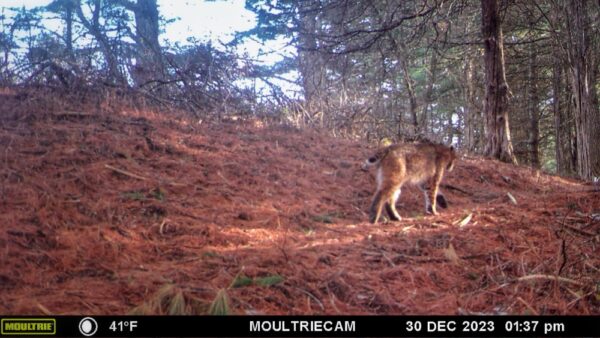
(511, 79)
(140, 175)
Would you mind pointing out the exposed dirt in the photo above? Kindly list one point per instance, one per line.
(99, 211)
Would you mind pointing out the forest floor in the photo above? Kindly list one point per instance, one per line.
(141, 212)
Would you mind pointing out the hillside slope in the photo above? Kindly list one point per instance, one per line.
(100, 211)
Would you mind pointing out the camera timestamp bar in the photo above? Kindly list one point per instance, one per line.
(300, 326)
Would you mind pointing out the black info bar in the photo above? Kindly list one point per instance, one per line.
(301, 326)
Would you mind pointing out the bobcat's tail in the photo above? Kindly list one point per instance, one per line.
(375, 159)
(371, 161)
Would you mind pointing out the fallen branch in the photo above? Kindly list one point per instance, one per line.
(124, 172)
(549, 277)
(72, 114)
(580, 231)
(416, 259)
(481, 255)
(451, 187)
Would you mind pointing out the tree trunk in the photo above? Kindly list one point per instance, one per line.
(470, 108)
(412, 99)
(149, 64)
(562, 123)
(560, 138)
(93, 27)
(450, 128)
(581, 52)
(532, 109)
(427, 95)
(398, 111)
(310, 63)
(401, 55)
(497, 129)
(69, 30)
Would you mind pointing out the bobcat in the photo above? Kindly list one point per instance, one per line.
(420, 164)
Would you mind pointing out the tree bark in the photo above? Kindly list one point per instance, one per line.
(565, 164)
(497, 129)
(402, 58)
(470, 108)
(581, 54)
(532, 109)
(93, 27)
(412, 98)
(401, 55)
(427, 95)
(310, 63)
(69, 29)
(150, 65)
(450, 127)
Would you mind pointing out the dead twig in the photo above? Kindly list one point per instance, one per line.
(528, 306)
(549, 277)
(124, 172)
(44, 309)
(313, 297)
(72, 114)
(388, 259)
(332, 300)
(563, 255)
(580, 231)
(404, 257)
(451, 187)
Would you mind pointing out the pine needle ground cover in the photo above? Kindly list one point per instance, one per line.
(113, 210)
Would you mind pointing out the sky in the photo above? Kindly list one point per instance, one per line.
(204, 20)
(216, 21)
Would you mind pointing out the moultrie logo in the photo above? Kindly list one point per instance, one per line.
(28, 326)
